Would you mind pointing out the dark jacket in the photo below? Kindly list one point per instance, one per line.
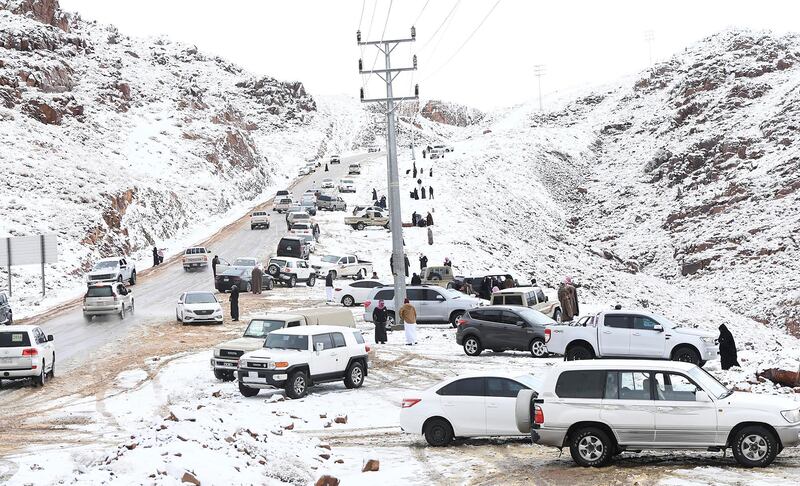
(727, 349)
(374, 194)
(380, 315)
(423, 262)
(329, 280)
(415, 280)
(429, 219)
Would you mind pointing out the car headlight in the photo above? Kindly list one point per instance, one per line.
(709, 340)
(791, 416)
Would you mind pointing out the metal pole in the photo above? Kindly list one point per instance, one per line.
(395, 218)
(8, 249)
(540, 92)
(41, 243)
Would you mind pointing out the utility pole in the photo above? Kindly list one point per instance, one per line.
(649, 37)
(538, 70)
(388, 74)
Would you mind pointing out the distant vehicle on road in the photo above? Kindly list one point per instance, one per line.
(501, 328)
(305, 170)
(327, 184)
(6, 315)
(289, 271)
(195, 257)
(113, 269)
(331, 203)
(283, 204)
(227, 354)
(369, 218)
(344, 266)
(197, 307)
(302, 229)
(26, 352)
(354, 169)
(347, 185)
(107, 298)
(294, 247)
(353, 293)
(335, 159)
(259, 219)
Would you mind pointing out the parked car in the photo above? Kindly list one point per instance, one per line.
(328, 184)
(346, 185)
(241, 277)
(292, 246)
(296, 216)
(439, 275)
(477, 281)
(533, 297)
(353, 293)
(372, 149)
(475, 405)
(197, 307)
(599, 409)
(283, 204)
(195, 257)
(244, 263)
(302, 230)
(288, 271)
(259, 219)
(305, 170)
(361, 209)
(107, 298)
(369, 218)
(26, 352)
(433, 304)
(502, 328)
(628, 334)
(354, 169)
(344, 266)
(299, 357)
(227, 354)
(335, 159)
(114, 269)
(6, 315)
(331, 203)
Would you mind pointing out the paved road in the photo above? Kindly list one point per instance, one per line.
(157, 292)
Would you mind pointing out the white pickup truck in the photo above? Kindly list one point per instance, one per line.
(343, 266)
(631, 334)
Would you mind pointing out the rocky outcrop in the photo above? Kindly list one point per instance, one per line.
(451, 113)
(45, 11)
(277, 98)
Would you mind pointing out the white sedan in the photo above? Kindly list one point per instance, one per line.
(198, 307)
(353, 293)
(466, 406)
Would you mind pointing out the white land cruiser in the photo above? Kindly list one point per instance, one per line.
(26, 352)
(346, 185)
(289, 271)
(602, 408)
(114, 269)
(259, 219)
(107, 298)
(344, 266)
(299, 357)
(631, 334)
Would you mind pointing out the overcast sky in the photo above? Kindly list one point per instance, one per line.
(580, 42)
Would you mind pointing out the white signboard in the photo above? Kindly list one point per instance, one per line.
(28, 250)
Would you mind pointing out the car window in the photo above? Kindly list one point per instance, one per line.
(351, 259)
(325, 339)
(415, 294)
(493, 315)
(674, 387)
(103, 291)
(259, 328)
(581, 384)
(359, 337)
(477, 314)
(293, 324)
(513, 300)
(644, 323)
(466, 387)
(530, 299)
(14, 339)
(431, 295)
(387, 294)
(200, 298)
(360, 285)
(634, 385)
(338, 340)
(286, 341)
(503, 387)
(41, 338)
(540, 295)
(510, 318)
(618, 321)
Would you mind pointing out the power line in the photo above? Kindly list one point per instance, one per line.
(361, 18)
(440, 27)
(383, 34)
(465, 41)
(539, 71)
(421, 11)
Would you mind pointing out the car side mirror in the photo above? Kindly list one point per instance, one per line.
(49, 338)
(319, 347)
(521, 324)
(701, 396)
(179, 302)
(658, 327)
(440, 298)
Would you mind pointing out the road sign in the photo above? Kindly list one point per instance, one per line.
(28, 250)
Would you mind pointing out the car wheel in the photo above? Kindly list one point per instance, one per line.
(133, 278)
(538, 349)
(178, 317)
(292, 281)
(87, 317)
(472, 346)
(297, 385)
(247, 391)
(122, 312)
(577, 353)
(272, 269)
(224, 375)
(42, 378)
(348, 301)
(270, 284)
(557, 315)
(686, 354)
(354, 377)
(360, 226)
(438, 432)
(591, 447)
(754, 446)
(455, 316)
(53, 367)
(311, 281)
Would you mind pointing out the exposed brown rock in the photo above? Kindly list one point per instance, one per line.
(372, 465)
(327, 480)
(782, 377)
(190, 478)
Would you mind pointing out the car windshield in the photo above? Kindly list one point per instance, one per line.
(104, 291)
(286, 341)
(15, 339)
(530, 381)
(259, 328)
(285, 201)
(104, 265)
(200, 298)
(244, 262)
(301, 215)
(300, 226)
(534, 317)
(234, 271)
(454, 293)
(708, 382)
(330, 259)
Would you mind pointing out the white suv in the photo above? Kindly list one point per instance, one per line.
(107, 298)
(602, 408)
(298, 357)
(289, 271)
(114, 269)
(26, 352)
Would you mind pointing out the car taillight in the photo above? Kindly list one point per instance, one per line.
(538, 415)
(547, 334)
(338, 290)
(367, 303)
(285, 269)
(410, 402)
(367, 348)
(461, 322)
(30, 352)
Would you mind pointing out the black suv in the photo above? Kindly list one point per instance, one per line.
(292, 246)
(5, 310)
(501, 327)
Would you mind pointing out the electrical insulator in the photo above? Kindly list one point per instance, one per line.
(360, 65)
(358, 35)
(413, 32)
(362, 93)
(415, 61)
(416, 90)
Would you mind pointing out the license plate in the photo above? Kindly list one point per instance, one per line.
(252, 377)
(6, 360)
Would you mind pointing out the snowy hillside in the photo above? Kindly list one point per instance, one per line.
(127, 143)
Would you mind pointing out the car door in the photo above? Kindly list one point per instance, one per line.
(492, 328)
(179, 305)
(324, 363)
(501, 398)
(303, 270)
(629, 406)
(647, 337)
(680, 418)
(614, 336)
(517, 332)
(417, 298)
(464, 406)
(342, 356)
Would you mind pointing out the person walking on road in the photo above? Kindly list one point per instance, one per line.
(234, 303)
(423, 263)
(329, 286)
(255, 276)
(214, 263)
(430, 192)
(379, 316)
(415, 280)
(568, 298)
(374, 194)
(155, 256)
(408, 314)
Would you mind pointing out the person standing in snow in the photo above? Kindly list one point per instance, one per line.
(383, 202)
(423, 262)
(414, 172)
(326, 167)
(160, 256)
(424, 153)
(408, 314)
(255, 277)
(329, 286)
(447, 262)
(415, 280)
(234, 299)
(379, 316)
(568, 298)
(430, 192)
(430, 174)
(727, 349)
(430, 235)
(374, 194)
(391, 264)
(155, 256)
(429, 219)
(374, 276)
(422, 190)
(214, 263)
(414, 218)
